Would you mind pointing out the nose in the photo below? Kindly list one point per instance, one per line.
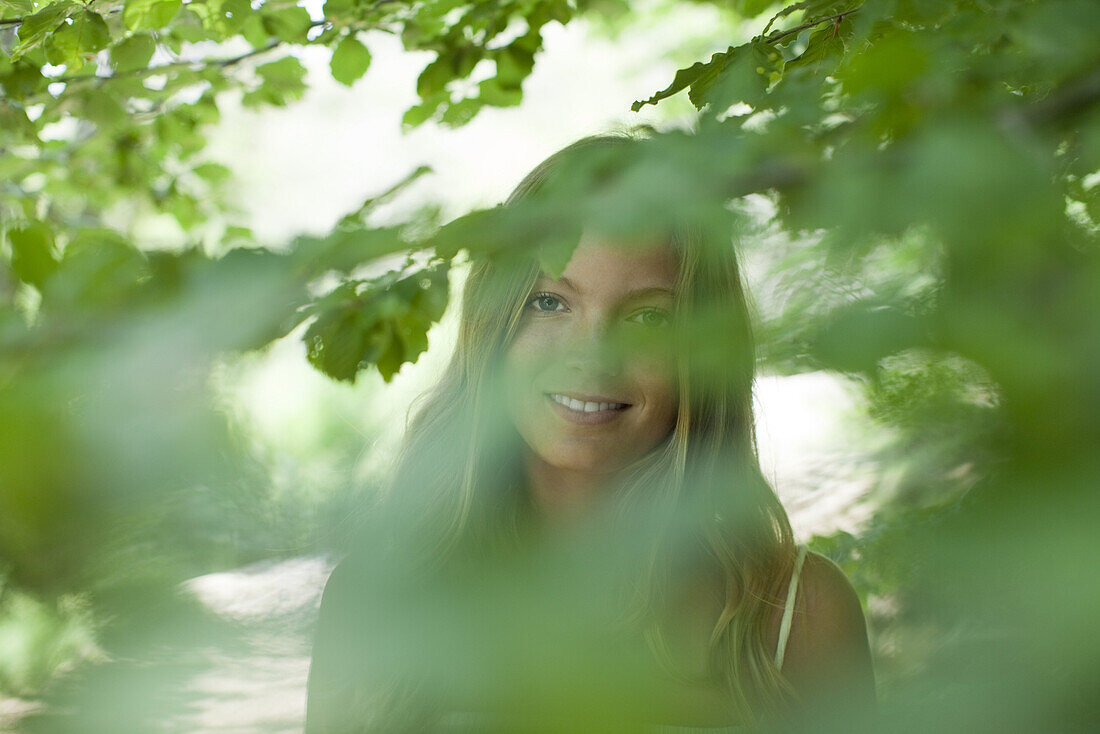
(591, 349)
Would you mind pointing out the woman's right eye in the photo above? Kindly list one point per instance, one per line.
(545, 303)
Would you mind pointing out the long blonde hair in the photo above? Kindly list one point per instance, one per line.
(463, 467)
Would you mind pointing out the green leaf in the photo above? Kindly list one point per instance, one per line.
(92, 32)
(254, 32)
(857, 337)
(103, 107)
(350, 60)
(389, 352)
(555, 252)
(283, 81)
(382, 322)
(744, 79)
(35, 28)
(73, 44)
(418, 114)
(491, 92)
(433, 79)
(149, 14)
(188, 26)
(14, 121)
(133, 53)
(186, 210)
(514, 64)
(33, 256)
(337, 7)
(232, 16)
(752, 8)
(459, 113)
(213, 173)
(98, 269)
(358, 218)
(340, 339)
(346, 248)
(699, 73)
(16, 8)
(822, 45)
(238, 236)
(288, 24)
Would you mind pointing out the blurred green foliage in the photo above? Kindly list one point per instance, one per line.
(40, 640)
(934, 171)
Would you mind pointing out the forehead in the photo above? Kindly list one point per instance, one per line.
(607, 266)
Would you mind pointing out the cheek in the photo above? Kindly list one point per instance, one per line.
(522, 357)
(525, 358)
(662, 401)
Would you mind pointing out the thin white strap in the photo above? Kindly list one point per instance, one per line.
(788, 611)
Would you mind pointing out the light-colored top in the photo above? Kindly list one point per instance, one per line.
(788, 608)
(468, 721)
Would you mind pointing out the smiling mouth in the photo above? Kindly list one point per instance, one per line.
(587, 406)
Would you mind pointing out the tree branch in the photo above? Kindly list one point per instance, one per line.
(835, 18)
(197, 64)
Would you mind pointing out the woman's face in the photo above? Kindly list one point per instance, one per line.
(579, 399)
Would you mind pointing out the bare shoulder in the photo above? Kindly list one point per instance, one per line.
(829, 605)
(827, 652)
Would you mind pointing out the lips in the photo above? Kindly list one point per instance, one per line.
(586, 406)
(589, 406)
(588, 412)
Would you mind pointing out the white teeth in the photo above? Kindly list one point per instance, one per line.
(584, 407)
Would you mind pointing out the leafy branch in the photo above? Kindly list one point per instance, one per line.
(700, 75)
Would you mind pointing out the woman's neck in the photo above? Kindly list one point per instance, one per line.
(562, 496)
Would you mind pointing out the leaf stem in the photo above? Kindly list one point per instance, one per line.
(835, 18)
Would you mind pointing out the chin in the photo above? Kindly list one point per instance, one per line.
(589, 462)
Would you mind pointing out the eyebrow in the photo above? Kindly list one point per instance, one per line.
(636, 293)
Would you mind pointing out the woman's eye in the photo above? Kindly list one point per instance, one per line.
(545, 302)
(650, 317)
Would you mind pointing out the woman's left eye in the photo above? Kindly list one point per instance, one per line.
(650, 317)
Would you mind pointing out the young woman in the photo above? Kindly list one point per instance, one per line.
(584, 539)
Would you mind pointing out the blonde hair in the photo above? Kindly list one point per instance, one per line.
(472, 485)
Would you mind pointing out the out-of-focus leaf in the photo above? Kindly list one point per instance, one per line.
(37, 27)
(421, 113)
(350, 60)
(17, 7)
(33, 254)
(287, 24)
(514, 64)
(149, 14)
(461, 112)
(856, 339)
(133, 52)
(98, 269)
(282, 81)
(211, 172)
